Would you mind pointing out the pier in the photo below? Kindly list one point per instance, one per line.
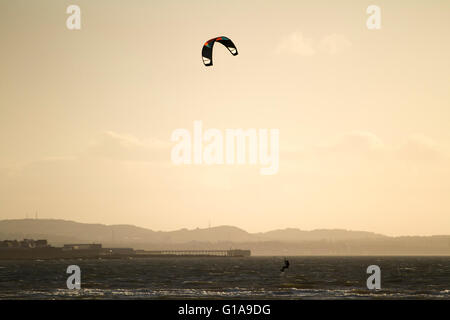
(195, 253)
(29, 249)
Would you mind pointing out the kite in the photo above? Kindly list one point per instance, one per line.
(207, 50)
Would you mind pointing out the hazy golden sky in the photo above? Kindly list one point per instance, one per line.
(86, 116)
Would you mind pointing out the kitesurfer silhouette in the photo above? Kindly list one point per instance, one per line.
(286, 265)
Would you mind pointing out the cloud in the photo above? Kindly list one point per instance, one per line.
(417, 148)
(420, 148)
(356, 142)
(335, 43)
(295, 43)
(124, 147)
(363, 152)
(340, 155)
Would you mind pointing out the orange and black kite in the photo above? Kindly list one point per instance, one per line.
(207, 50)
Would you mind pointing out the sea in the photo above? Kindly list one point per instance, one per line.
(228, 278)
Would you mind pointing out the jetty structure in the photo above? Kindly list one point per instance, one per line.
(29, 249)
(195, 253)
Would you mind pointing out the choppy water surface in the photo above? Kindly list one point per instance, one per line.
(228, 278)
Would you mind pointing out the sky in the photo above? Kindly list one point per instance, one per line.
(86, 116)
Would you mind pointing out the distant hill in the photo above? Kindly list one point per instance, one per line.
(69, 231)
(62, 230)
(277, 242)
(294, 235)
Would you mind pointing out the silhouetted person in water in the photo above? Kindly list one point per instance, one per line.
(286, 265)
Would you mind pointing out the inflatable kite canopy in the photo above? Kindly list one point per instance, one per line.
(207, 50)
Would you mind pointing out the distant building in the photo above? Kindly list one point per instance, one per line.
(120, 251)
(82, 246)
(41, 243)
(9, 244)
(239, 253)
(25, 243)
